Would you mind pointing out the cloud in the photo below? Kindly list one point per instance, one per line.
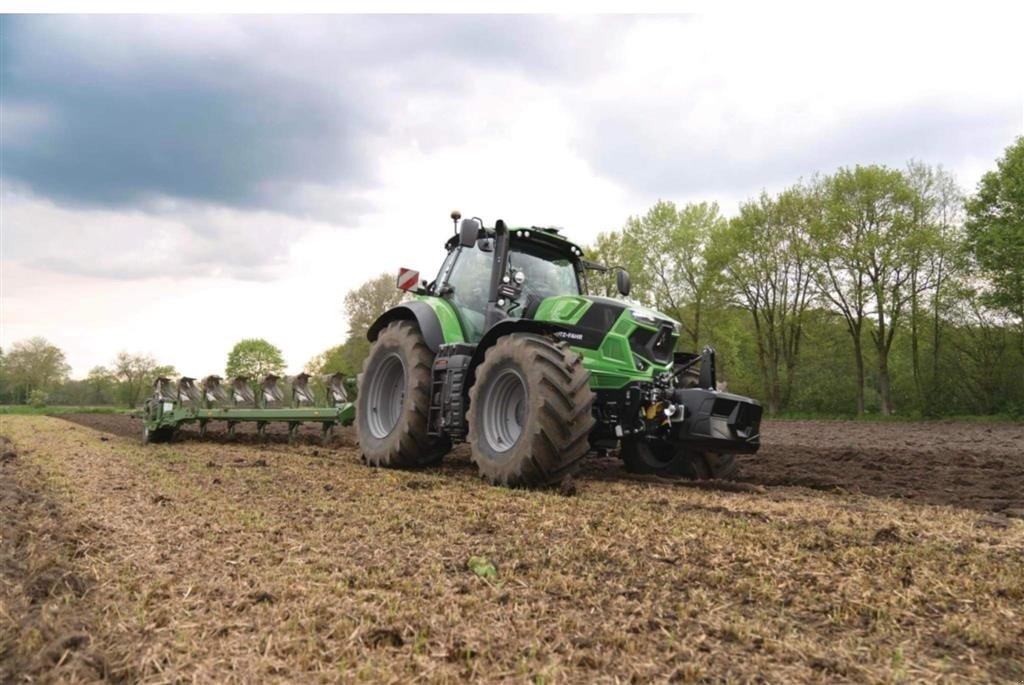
(248, 112)
(648, 158)
(136, 147)
(172, 238)
(729, 105)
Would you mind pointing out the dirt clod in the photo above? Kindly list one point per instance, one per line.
(567, 488)
(384, 637)
(889, 534)
(7, 451)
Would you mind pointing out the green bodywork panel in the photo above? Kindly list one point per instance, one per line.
(451, 327)
(611, 365)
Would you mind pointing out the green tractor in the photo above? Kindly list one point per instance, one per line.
(506, 351)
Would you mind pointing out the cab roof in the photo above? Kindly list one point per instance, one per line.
(550, 236)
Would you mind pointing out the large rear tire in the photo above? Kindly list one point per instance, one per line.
(667, 459)
(530, 411)
(394, 400)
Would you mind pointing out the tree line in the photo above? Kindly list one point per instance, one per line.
(35, 372)
(870, 289)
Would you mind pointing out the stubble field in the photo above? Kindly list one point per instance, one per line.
(847, 551)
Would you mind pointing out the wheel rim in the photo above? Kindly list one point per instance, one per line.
(504, 411)
(386, 396)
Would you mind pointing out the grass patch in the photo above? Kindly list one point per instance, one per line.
(27, 410)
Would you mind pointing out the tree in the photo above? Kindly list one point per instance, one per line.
(100, 386)
(34, 364)
(362, 307)
(337, 359)
(936, 265)
(995, 233)
(254, 358)
(135, 373)
(667, 252)
(364, 304)
(607, 250)
(769, 265)
(3, 377)
(867, 242)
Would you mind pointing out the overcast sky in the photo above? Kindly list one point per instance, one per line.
(174, 184)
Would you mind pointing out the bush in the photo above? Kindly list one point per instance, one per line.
(37, 398)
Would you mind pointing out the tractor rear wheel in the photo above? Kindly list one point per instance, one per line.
(394, 400)
(530, 411)
(667, 459)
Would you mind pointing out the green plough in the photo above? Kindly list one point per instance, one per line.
(293, 401)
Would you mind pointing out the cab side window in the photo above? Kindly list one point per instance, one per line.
(469, 282)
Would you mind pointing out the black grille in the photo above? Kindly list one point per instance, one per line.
(657, 346)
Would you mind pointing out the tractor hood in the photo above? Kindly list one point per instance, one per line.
(617, 327)
(575, 309)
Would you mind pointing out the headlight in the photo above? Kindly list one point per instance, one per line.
(642, 315)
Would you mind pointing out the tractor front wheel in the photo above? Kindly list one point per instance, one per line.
(530, 411)
(394, 400)
(663, 458)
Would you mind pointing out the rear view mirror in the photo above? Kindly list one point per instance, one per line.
(622, 282)
(469, 232)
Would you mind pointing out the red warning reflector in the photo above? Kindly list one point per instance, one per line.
(408, 279)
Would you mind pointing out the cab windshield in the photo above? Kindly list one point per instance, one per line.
(547, 271)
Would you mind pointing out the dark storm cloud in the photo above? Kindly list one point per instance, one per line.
(239, 112)
(648, 159)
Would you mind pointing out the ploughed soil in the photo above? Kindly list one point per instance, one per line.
(245, 561)
(974, 465)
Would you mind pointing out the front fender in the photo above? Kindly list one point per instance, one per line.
(420, 312)
(504, 328)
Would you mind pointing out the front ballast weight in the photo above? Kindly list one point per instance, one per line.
(292, 400)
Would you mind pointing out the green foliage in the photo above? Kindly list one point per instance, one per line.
(37, 398)
(854, 293)
(135, 373)
(483, 568)
(254, 358)
(362, 307)
(33, 364)
(995, 233)
(51, 410)
(768, 261)
(670, 256)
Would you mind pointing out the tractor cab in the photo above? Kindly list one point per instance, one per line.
(492, 274)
